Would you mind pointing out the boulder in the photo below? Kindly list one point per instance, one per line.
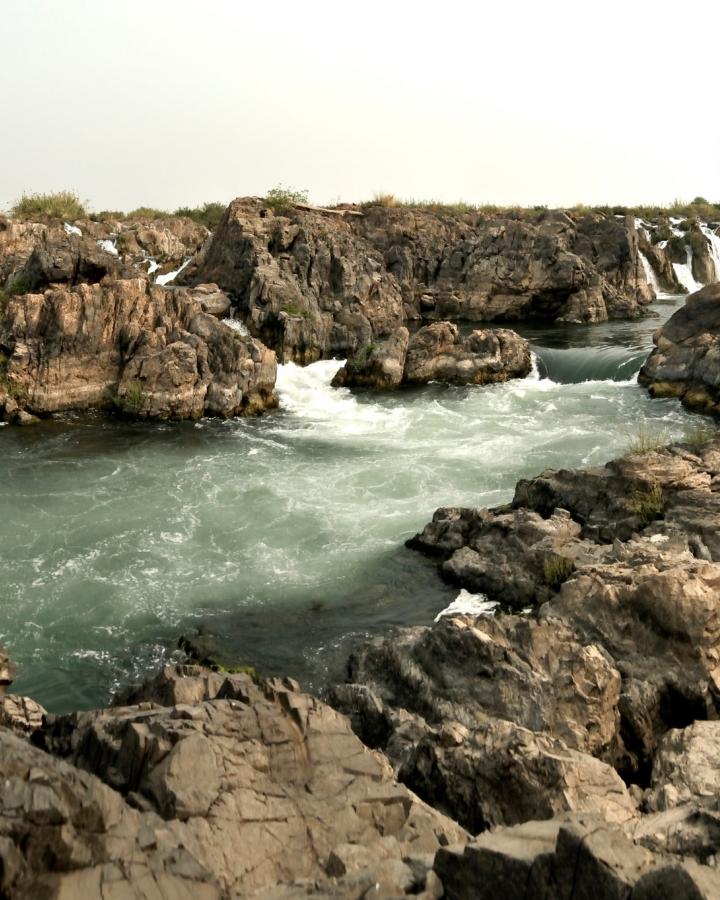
(378, 365)
(439, 353)
(569, 858)
(686, 360)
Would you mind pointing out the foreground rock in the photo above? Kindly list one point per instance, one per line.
(152, 352)
(686, 360)
(208, 785)
(204, 784)
(314, 283)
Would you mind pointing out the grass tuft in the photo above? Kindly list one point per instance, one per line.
(647, 505)
(646, 441)
(64, 205)
(556, 570)
(209, 214)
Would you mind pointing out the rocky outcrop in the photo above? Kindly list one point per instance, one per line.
(612, 575)
(128, 343)
(312, 285)
(437, 352)
(34, 255)
(686, 360)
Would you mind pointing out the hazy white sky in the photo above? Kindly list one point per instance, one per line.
(173, 102)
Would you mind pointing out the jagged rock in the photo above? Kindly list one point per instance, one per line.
(661, 265)
(312, 284)
(65, 834)
(498, 773)
(623, 556)
(35, 255)
(22, 715)
(686, 766)
(686, 360)
(152, 352)
(439, 353)
(262, 785)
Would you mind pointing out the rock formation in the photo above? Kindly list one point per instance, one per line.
(313, 285)
(686, 360)
(437, 353)
(132, 344)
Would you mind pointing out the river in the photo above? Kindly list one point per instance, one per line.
(283, 536)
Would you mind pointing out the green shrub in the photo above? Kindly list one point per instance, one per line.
(647, 505)
(646, 441)
(59, 205)
(293, 309)
(556, 570)
(148, 212)
(131, 401)
(281, 198)
(209, 214)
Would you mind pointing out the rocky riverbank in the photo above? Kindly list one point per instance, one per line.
(564, 747)
(87, 320)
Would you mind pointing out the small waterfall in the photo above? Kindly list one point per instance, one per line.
(650, 275)
(685, 275)
(576, 365)
(714, 241)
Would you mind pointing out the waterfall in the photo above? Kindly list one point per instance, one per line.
(714, 241)
(685, 275)
(650, 275)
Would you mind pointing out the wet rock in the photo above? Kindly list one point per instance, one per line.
(686, 360)
(151, 352)
(377, 365)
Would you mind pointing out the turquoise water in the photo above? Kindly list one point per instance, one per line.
(281, 535)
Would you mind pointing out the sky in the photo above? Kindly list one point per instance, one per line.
(171, 103)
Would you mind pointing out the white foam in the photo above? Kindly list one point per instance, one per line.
(685, 275)
(152, 265)
(650, 275)
(171, 276)
(109, 247)
(236, 325)
(71, 229)
(714, 242)
(467, 604)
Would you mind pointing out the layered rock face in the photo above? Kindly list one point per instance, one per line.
(686, 360)
(315, 284)
(152, 352)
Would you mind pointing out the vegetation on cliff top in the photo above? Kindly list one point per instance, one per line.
(67, 206)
